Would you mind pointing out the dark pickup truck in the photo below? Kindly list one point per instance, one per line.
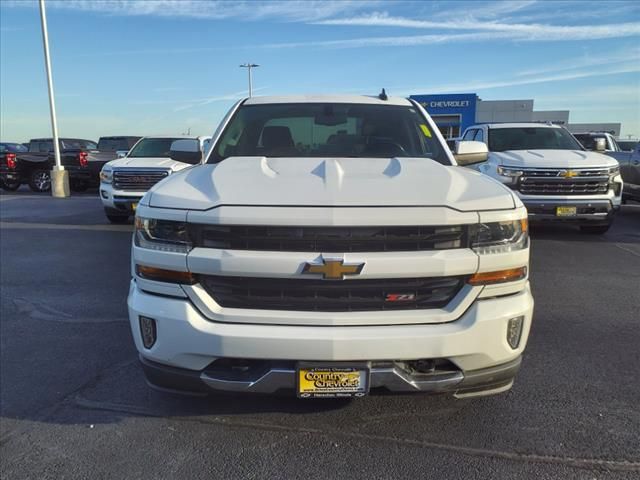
(109, 148)
(33, 167)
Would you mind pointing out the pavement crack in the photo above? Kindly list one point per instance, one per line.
(50, 410)
(577, 462)
(626, 249)
(41, 311)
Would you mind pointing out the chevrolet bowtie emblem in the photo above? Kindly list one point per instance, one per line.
(567, 173)
(332, 269)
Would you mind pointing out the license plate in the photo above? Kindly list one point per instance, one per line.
(566, 211)
(332, 382)
(134, 206)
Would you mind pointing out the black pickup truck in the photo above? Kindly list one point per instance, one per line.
(34, 166)
(8, 152)
(109, 148)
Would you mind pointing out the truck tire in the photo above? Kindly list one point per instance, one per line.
(11, 186)
(115, 217)
(79, 186)
(595, 229)
(118, 219)
(40, 180)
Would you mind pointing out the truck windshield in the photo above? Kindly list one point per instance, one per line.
(152, 147)
(328, 130)
(531, 138)
(113, 144)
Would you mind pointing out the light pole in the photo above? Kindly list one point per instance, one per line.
(249, 66)
(59, 177)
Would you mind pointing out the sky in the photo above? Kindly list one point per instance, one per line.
(144, 67)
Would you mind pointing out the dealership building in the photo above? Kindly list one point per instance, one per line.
(453, 113)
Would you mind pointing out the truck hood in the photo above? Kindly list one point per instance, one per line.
(330, 182)
(148, 162)
(553, 159)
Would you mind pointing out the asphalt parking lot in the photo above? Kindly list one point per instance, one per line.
(74, 403)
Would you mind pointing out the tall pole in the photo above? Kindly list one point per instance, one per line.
(249, 67)
(59, 180)
(52, 102)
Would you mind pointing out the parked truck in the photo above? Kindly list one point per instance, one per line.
(8, 153)
(109, 148)
(552, 174)
(33, 167)
(124, 181)
(629, 160)
(329, 246)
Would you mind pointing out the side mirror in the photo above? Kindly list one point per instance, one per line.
(601, 144)
(469, 152)
(186, 151)
(121, 153)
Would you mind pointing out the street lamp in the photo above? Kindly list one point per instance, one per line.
(249, 66)
(59, 177)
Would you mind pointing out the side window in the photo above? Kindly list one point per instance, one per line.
(616, 147)
(469, 134)
(479, 136)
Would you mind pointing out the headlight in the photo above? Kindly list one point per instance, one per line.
(613, 171)
(163, 235)
(500, 237)
(509, 172)
(106, 175)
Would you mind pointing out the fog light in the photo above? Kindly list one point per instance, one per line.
(514, 331)
(148, 331)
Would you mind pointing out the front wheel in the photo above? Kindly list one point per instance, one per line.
(40, 181)
(595, 229)
(115, 217)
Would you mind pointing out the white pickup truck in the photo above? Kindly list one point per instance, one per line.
(331, 245)
(553, 175)
(124, 181)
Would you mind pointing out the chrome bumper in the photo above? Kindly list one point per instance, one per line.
(389, 376)
(587, 210)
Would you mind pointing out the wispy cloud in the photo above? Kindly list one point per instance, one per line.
(398, 41)
(291, 10)
(218, 98)
(588, 59)
(478, 85)
(517, 31)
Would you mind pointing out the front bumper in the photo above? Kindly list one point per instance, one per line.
(280, 376)
(587, 211)
(187, 344)
(123, 201)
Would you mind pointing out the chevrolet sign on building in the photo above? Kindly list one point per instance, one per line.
(451, 112)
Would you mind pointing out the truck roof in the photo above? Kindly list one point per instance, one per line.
(358, 99)
(520, 125)
(112, 137)
(62, 139)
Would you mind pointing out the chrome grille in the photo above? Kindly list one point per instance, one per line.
(552, 181)
(329, 239)
(138, 180)
(331, 295)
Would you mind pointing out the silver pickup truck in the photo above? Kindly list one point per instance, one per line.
(629, 160)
